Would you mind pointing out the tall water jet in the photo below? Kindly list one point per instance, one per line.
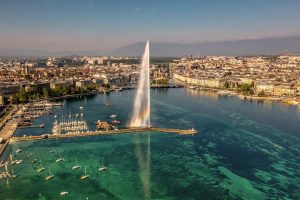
(141, 118)
(141, 109)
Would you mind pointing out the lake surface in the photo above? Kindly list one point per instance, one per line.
(244, 150)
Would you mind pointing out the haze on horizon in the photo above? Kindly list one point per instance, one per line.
(80, 25)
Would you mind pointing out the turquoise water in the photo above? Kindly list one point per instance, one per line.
(244, 150)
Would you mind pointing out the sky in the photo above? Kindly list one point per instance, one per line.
(82, 25)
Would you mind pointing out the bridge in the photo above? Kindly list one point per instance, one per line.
(108, 132)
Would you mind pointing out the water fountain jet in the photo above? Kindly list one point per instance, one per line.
(141, 110)
(141, 118)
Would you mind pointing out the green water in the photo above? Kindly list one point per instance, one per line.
(244, 150)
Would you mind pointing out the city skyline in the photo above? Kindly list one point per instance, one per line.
(104, 25)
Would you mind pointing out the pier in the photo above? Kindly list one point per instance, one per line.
(108, 132)
(32, 126)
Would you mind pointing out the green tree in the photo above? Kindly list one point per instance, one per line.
(244, 88)
(14, 99)
(46, 93)
(23, 95)
(226, 84)
(65, 90)
(261, 94)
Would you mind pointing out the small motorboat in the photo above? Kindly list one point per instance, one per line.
(19, 162)
(115, 122)
(113, 116)
(59, 160)
(18, 150)
(64, 193)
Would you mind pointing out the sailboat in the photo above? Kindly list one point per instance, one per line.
(85, 176)
(76, 166)
(41, 168)
(52, 150)
(6, 171)
(102, 167)
(50, 176)
(12, 173)
(59, 158)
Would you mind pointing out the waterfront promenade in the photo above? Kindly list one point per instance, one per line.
(7, 129)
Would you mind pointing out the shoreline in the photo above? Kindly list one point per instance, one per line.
(221, 92)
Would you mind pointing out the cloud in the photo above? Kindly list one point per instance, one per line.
(152, 11)
(137, 9)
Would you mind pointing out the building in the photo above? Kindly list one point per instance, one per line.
(264, 87)
(83, 83)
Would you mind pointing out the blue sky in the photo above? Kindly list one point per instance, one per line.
(106, 24)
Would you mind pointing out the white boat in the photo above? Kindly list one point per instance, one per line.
(19, 161)
(59, 159)
(29, 155)
(113, 116)
(41, 168)
(64, 193)
(102, 167)
(50, 176)
(81, 107)
(192, 87)
(18, 150)
(76, 166)
(53, 151)
(193, 130)
(11, 157)
(85, 176)
(12, 173)
(34, 160)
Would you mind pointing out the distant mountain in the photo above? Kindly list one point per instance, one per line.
(266, 46)
(19, 53)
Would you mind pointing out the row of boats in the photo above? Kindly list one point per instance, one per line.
(69, 124)
(75, 124)
(35, 110)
